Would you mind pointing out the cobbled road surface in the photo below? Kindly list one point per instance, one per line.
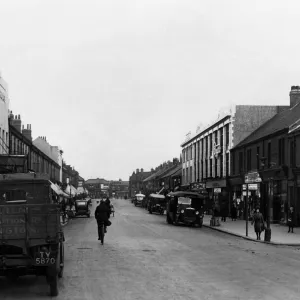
(145, 258)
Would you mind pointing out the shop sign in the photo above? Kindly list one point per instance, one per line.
(252, 187)
(217, 190)
(252, 177)
(216, 184)
(198, 185)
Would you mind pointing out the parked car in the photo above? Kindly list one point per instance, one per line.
(82, 208)
(157, 204)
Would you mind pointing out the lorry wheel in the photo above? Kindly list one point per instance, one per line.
(61, 261)
(53, 286)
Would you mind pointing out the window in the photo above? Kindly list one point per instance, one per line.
(221, 165)
(210, 144)
(241, 168)
(216, 167)
(233, 162)
(210, 167)
(249, 159)
(227, 164)
(191, 174)
(206, 171)
(221, 139)
(269, 154)
(257, 158)
(281, 151)
(227, 136)
(292, 154)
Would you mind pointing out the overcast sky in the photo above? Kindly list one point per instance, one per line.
(119, 83)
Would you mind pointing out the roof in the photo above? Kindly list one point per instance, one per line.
(96, 181)
(173, 171)
(177, 173)
(156, 174)
(280, 121)
(159, 196)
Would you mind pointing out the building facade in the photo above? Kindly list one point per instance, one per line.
(206, 155)
(97, 188)
(4, 113)
(136, 181)
(266, 163)
(119, 189)
(23, 152)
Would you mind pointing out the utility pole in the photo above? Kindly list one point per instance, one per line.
(246, 208)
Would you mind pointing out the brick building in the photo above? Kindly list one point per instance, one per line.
(206, 155)
(119, 189)
(136, 181)
(23, 155)
(97, 188)
(267, 160)
(4, 112)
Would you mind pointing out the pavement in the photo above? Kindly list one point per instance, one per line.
(144, 258)
(279, 233)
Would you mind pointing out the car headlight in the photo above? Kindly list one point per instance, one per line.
(182, 211)
(197, 212)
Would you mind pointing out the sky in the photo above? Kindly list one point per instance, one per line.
(118, 84)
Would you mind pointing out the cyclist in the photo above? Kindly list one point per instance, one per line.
(101, 215)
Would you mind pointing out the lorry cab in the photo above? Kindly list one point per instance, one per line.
(185, 207)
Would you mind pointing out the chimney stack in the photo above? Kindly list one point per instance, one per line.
(16, 122)
(27, 132)
(294, 95)
(137, 170)
(142, 170)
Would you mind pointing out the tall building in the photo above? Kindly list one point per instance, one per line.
(206, 155)
(4, 112)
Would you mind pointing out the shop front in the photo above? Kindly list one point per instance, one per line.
(218, 195)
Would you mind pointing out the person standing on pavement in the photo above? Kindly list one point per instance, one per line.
(107, 202)
(259, 224)
(291, 219)
(233, 212)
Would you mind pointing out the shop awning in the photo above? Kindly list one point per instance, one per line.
(70, 190)
(58, 190)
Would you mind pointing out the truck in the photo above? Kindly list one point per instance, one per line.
(31, 235)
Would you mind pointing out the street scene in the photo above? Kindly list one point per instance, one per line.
(149, 150)
(144, 258)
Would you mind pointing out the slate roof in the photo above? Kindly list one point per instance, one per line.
(279, 122)
(173, 171)
(160, 172)
(178, 172)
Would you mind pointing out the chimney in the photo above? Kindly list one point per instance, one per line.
(27, 132)
(142, 170)
(294, 95)
(137, 170)
(16, 122)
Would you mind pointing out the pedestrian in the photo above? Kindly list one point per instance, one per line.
(259, 224)
(233, 213)
(224, 210)
(291, 219)
(107, 202)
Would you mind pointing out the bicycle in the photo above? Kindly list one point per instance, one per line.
(101, 231)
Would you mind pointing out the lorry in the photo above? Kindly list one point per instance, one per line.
(31, 236)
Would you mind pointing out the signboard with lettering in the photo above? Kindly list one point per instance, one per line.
(252, 177)
(217, 190)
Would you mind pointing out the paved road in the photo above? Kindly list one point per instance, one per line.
(145, 258)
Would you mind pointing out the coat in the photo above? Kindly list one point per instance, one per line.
(101, 212)
(258, 221)
(291, 219)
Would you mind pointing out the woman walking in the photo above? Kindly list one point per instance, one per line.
(258, 222)
(291, 216)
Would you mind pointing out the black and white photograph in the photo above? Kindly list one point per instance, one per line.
(149, 150)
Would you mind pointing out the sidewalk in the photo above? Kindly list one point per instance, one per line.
(279, 235)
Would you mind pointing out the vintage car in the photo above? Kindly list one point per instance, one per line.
(82, 208)
(186, 208)
(32, 239)
(138, 201)
(157, 204)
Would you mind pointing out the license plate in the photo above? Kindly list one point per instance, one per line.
(45, 258)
